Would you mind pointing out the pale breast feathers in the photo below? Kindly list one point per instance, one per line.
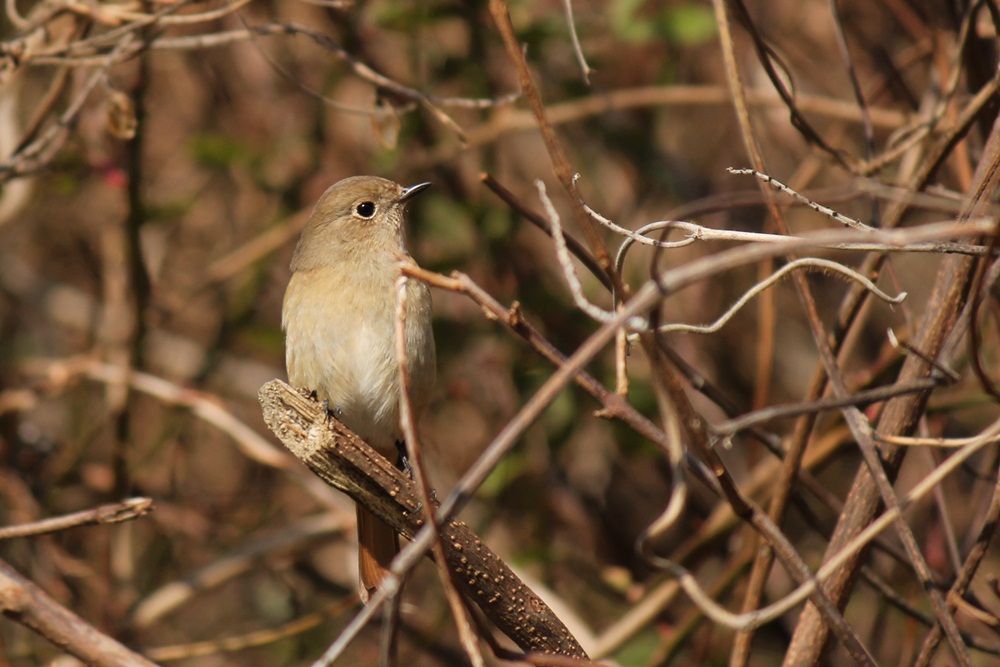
(344, 350)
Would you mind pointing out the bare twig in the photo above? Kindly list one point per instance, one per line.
(574, 246)
(126, 510)
(39, 151)
(501, 16)
(730, 427)
(829, 212)
(415, 453)
(577, 51)
(565, 262)
(808, 263)
(644, 299)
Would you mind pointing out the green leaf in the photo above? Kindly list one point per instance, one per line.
(689, 24)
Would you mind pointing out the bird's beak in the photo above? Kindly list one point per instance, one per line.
(412, 190)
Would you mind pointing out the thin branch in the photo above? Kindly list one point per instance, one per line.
(501, 17)
(767, 58)
(730, 427)
(819, 208)
(39, 151)
(672, 96)
(809, 263)
(415, 452)
(646, 298)
(126, 510)
(915, 441)
(80, 58)
(900, 414)
(950, 135)
(949, 373)
(697, 232)
(852, 75)
(575, 247)
(577, 51)
(566, 263)
(574, 362)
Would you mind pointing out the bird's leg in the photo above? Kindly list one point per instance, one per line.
(335, 411)
(403, 461)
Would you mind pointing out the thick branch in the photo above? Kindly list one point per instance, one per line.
(32, 607)
(347, 463)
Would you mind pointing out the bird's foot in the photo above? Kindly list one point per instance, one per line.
(403, 460)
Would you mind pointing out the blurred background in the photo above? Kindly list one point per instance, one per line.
(160, 158)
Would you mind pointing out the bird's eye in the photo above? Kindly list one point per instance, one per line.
(366, 209)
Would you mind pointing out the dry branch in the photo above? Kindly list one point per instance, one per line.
(28, 604)
(126, 510)
(900, 414)
(347, 463)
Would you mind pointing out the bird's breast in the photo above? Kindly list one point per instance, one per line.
(340, 343)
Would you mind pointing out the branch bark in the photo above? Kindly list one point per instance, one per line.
(347, 463)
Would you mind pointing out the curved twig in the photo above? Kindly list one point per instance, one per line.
(808, 263)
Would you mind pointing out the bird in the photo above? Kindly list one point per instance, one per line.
(338, 315)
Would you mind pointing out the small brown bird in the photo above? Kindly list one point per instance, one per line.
(339, 321)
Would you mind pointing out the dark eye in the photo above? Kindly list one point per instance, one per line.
(366, 209)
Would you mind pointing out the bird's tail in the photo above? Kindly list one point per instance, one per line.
(378, 544)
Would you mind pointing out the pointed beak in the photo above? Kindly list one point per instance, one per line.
(409, 192)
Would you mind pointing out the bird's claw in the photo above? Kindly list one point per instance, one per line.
(404, 460)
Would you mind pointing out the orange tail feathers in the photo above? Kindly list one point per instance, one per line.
(378, 544)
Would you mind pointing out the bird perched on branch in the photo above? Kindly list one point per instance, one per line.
(339, 320)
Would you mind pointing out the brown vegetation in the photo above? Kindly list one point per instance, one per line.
(674, 494)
